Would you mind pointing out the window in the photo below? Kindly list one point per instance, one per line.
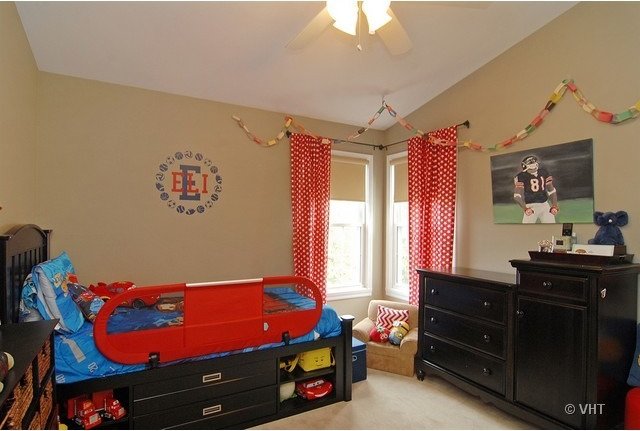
(349, 260)
(397, 258)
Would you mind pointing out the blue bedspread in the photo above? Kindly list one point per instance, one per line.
(77, 357)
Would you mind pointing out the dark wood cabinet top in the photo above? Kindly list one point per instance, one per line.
(471, 274)
(577, 266)
(23, 341)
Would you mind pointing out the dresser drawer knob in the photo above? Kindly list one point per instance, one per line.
(486, 338)
(519, 313)
(486, 304)
(433, 320)
(434, 291)
(432, 348)
(486, 372)
(547, 285)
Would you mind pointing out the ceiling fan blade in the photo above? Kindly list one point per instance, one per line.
(312, 30)
(394, 36)
(463, 4)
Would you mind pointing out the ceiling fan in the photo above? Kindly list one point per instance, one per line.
(345, 14)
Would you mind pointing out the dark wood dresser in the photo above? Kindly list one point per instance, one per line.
(552, 344)
(28, 398)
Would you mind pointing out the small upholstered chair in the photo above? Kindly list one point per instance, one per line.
(386, 356)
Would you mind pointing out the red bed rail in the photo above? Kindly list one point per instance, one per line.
(218, 317)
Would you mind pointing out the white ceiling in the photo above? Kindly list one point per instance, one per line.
(234, 51)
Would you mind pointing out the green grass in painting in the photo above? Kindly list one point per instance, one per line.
(571, 211)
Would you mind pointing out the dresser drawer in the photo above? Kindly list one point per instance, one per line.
(465, 299)
(480, 369)
(478, 334)
(559, 286)
(184, 390)
(214, 413)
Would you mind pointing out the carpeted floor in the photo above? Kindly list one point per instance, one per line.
(390, 401)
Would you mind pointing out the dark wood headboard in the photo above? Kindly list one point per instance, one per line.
(21, 248)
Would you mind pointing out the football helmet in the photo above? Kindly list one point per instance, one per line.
(529, 162)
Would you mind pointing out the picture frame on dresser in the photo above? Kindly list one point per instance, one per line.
(238, 390)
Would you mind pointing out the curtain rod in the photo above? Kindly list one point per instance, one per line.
(464, 123)
(379, 147)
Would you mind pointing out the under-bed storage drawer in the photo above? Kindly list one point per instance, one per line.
(214, 413)
(189, 389)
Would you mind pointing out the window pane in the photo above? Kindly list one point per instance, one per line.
(401, 213)
(401, 222)
(345, 256)
(402, 256)
(346, 212)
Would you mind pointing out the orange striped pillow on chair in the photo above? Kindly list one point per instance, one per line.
(386, 316)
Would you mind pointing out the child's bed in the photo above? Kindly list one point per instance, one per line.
(208, 342)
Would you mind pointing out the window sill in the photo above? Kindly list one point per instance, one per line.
(395, 294)
(350, 294)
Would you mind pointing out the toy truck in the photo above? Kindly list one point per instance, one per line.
(108, 406)
(112, 409)
(85, 414)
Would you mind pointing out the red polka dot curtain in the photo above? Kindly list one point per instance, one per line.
(310, 181)
(432, 204)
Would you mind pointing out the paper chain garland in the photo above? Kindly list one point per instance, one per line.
(288, 122)
(558, 93)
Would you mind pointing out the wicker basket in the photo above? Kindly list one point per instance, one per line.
(19, 402)
(36, 422)
(44, 361)
(46, 404)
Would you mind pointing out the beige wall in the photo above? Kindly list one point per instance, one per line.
(594, 43)
(18, 78)
(100, 147)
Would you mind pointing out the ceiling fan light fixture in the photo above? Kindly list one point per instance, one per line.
(345, 14)
(376, 12)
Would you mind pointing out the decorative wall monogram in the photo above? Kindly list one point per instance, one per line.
(189, 182)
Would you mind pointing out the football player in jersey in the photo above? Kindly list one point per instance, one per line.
(535, 193)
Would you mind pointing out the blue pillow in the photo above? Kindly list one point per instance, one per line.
(634, 373)
(54, 301)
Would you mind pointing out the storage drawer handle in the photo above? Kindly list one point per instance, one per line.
(486, 372)
(486, 338)
(547, 285)
(486, 304)
(434, 291)
(433, 320)
(211, 410)
(211, 377)
(432, 348)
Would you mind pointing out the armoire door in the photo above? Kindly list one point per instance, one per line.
(550, 359)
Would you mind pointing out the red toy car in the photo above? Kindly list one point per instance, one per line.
(106, 291)
(312, 389)
(85, 414)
